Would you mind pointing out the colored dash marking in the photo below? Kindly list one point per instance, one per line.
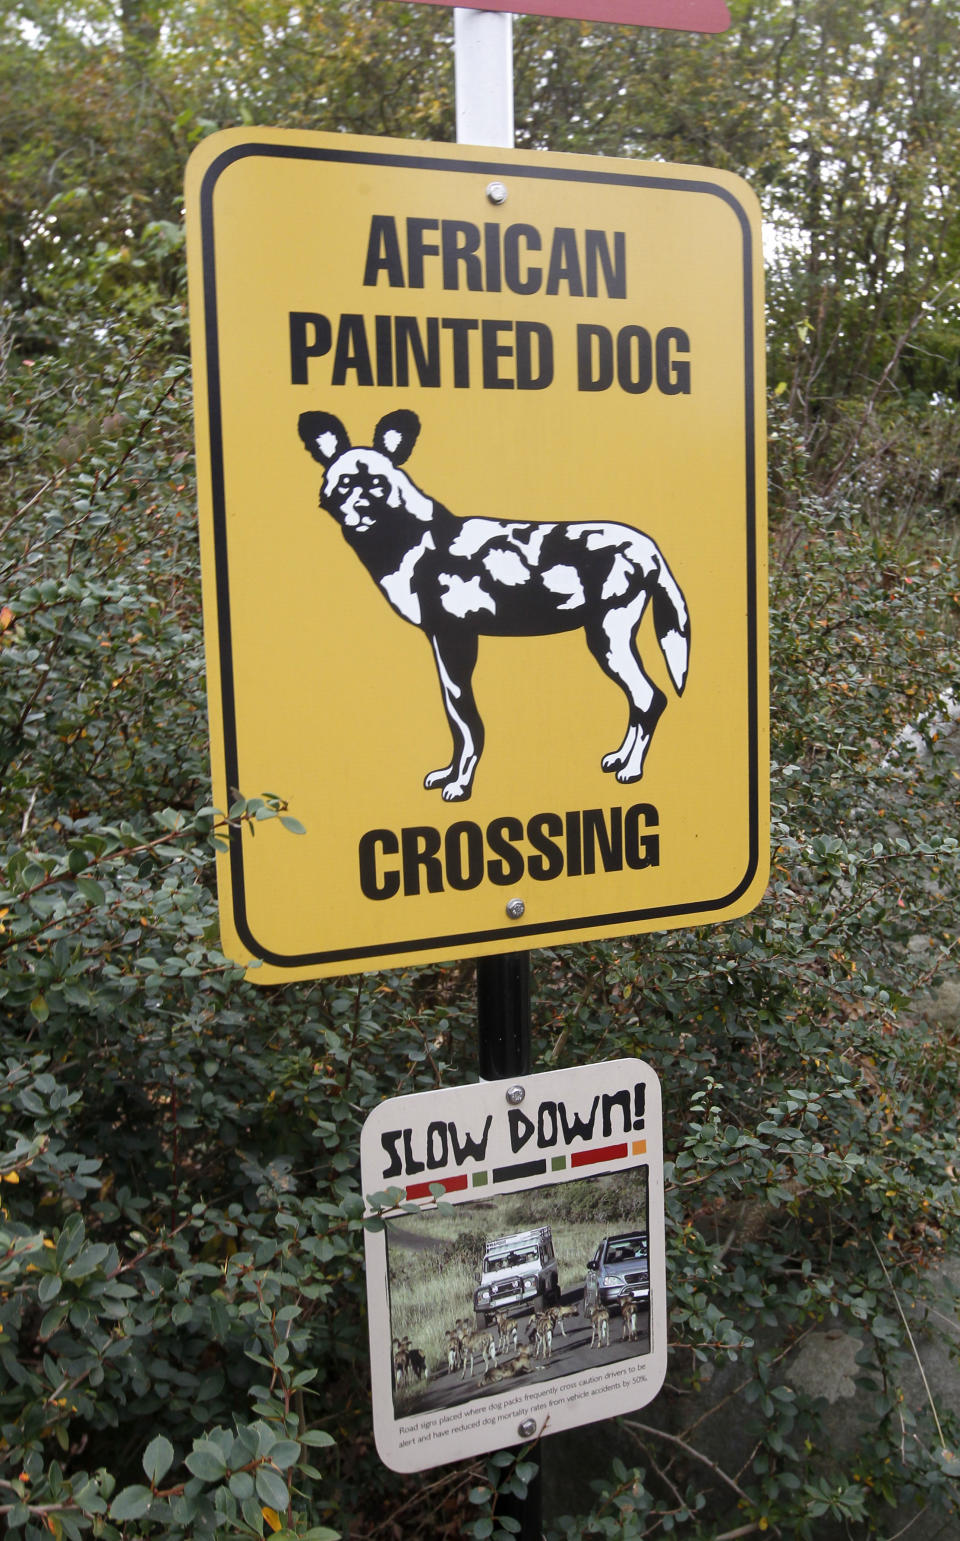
(422, 1190)
(558, 1163)
(502, 1174)
(479, 1179)
(639, 1147)
(600, 1153)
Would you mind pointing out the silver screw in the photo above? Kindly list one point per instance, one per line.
(527, 1428)
(515, 908)
(515, 1094)
(496, 192)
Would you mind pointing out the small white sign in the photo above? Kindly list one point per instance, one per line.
(538, 1302)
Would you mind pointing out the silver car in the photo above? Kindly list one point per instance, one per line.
(619, 1270)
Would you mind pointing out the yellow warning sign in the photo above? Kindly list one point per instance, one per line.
(480, 444)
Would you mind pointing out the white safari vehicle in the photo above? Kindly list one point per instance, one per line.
(518, 1270)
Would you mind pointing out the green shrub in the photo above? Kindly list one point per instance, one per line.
(182, 1335)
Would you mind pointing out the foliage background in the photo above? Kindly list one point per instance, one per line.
(182, 1342)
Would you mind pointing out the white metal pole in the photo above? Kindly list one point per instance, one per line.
(483, 76)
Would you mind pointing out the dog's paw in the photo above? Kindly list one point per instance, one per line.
(437, 778)
(631, 767)
(612, 762)
(453, 792)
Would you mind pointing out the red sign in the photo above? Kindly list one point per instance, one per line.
(680, 15)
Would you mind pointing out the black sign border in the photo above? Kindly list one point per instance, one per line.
(613, 174)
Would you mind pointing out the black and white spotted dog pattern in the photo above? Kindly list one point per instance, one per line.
(461, 579)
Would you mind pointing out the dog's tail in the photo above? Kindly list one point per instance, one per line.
(671, 621)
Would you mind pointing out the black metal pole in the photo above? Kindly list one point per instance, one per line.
(503, 1015)
(503, 1044)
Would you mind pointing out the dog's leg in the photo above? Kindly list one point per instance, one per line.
(610, 639)
(456, 657)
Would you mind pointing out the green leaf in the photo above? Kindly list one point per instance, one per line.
(54, 1320)
(131, 1503)
(271, 1488)
(91, 890)
(157, 1458)
(206, 1461)
(49, 1288)
(251, 1511)
(284, 1452)
(241, 1485)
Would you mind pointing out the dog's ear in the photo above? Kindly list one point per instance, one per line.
(324, 436)
(396, 434)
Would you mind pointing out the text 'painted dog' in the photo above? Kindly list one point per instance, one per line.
(460, 579)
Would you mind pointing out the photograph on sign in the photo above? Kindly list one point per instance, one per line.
(482, 524)
(534, 1295)
(491, 1258)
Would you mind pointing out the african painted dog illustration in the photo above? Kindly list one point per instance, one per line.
(461, 579)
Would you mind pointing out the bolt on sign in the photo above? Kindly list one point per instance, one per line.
(499, 1309)
(480, 448)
